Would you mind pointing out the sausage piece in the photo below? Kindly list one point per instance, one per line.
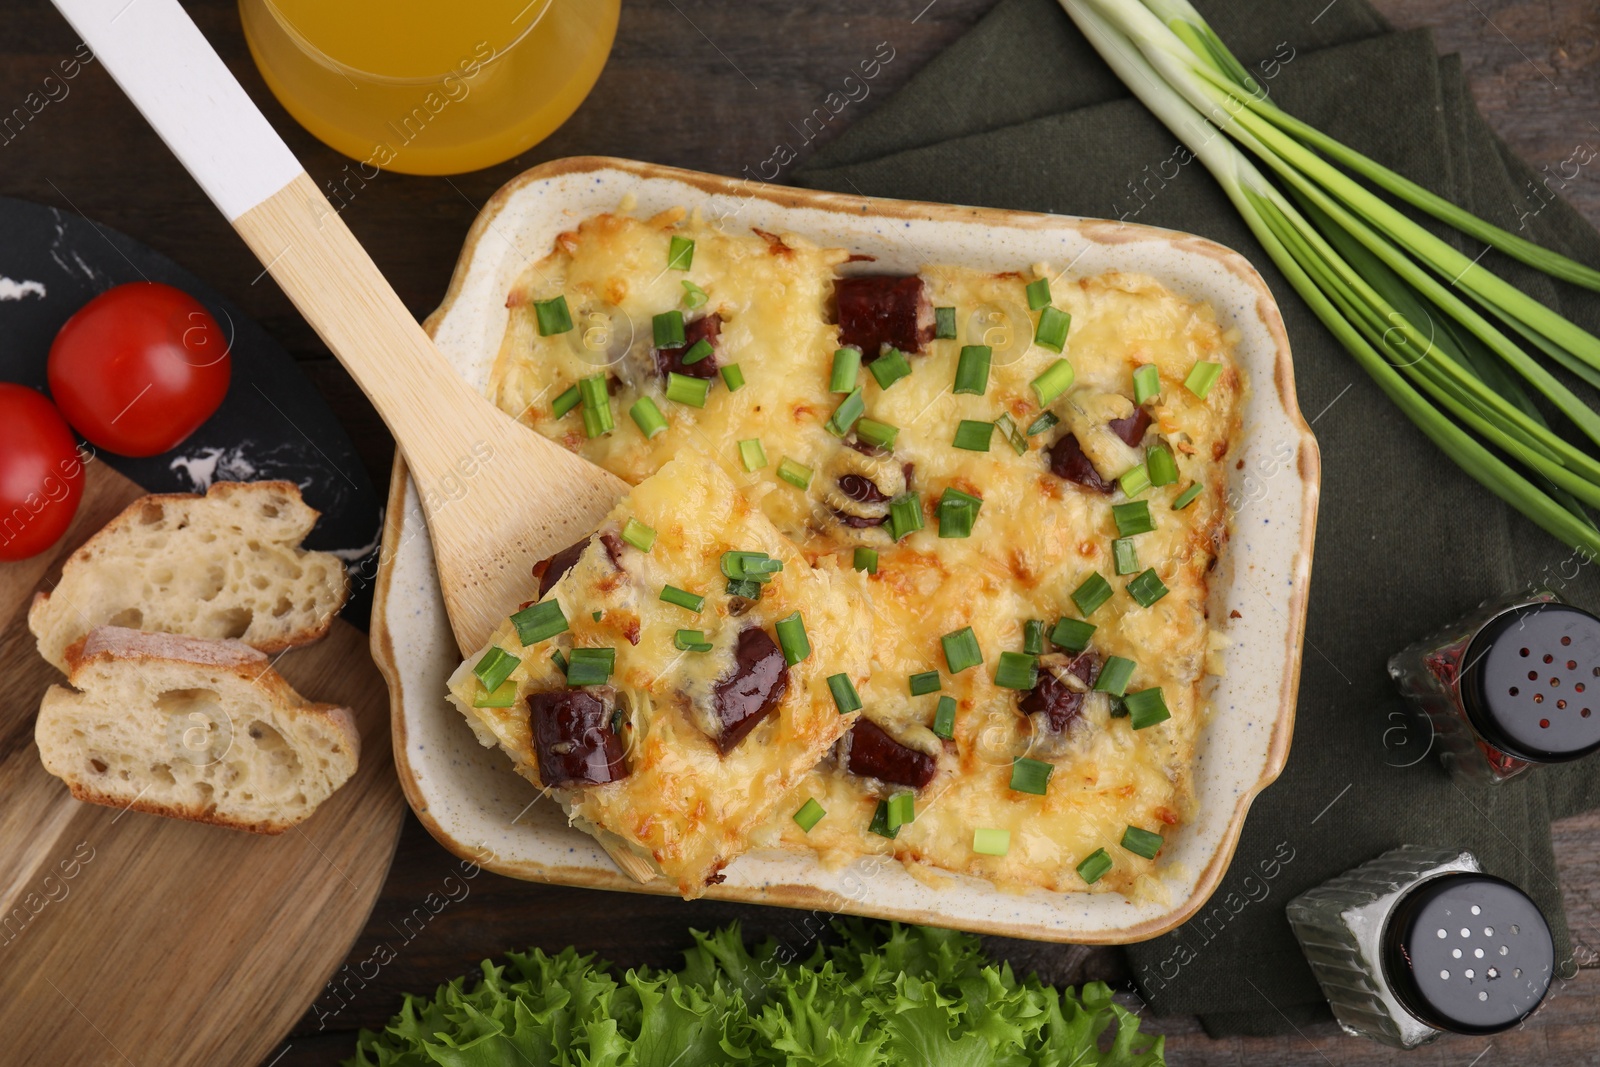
(874, 754)
(1132, 428)
(752, 692)
(706, 328)
(1067, 461)
(549, 571)
(878, 309)
(573, 739)
(1059, 704)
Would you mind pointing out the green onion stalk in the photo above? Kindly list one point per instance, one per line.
(1446, 339)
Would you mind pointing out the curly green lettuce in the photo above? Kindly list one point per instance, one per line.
(887, 995)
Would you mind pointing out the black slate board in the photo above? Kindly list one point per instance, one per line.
(273, 422)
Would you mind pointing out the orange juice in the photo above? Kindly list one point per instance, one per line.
(427, 87)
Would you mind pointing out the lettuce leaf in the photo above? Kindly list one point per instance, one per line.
(884, 995)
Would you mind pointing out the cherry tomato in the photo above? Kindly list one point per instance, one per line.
(41, 474)
(139, 368)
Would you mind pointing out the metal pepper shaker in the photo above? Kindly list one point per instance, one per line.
(1514, 684)
(1420, 942)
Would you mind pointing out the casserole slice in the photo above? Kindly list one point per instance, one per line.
(676, 675)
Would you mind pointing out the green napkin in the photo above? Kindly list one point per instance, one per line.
(1022, 113)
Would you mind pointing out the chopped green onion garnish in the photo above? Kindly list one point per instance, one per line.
(638, 534)
(1134, 480)
(1056, 379)
(538, 622)
(595, 615)
(902, 810)
(846, 367)
(961, 650)
(1072, 634)
(944, 323)
(552, 315)
(752, 455)
(865, 559)
(1147, 588)
(596, 406)
(504, 696)
(756, 566)
(590, 666)
(792, 638)
(1125, 555)
(972, 369)
(1031, 776)
(795, 473)
(926, 682)
(1094, 866)
(648, 417)
(566, 402)
(559, 660)
(1141, 842)
(845, 697)
(880, 822)
(748, 588)
(1159, 463)
(810, 814)
(683, 389)
(1187, 497)
(691, 641)
(873, 432)
(955, 517)
(1133, 517)
(890, 367)
(845, 415)
(1038, 293)
(1033, 637)
(1146, 382)
(667, 329)
(1016, 670)
(1008, 429)
(1052, 330)
(733, 376)
(682, 598)
(952, 493)
(1094, 591)
(1146, 708)
(988, 842)
(973, 436)
(1045, 420)
(1114, 676)
(1201, 378)
(905, 515)
(680, 253)
(697, 351)
(944, 719)
(693, 295)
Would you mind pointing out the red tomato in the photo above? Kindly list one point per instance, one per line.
(139, 368)
(41, 474)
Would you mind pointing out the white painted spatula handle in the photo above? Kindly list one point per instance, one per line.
(170, 72)
(157, 54)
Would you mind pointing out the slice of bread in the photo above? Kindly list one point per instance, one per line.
(226, 565)
(193, 729)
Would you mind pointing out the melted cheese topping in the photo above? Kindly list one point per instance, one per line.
(685, 808)
(1036, 537)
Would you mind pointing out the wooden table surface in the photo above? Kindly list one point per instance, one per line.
(713, 85)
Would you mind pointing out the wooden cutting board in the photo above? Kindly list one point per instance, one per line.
(127, 938)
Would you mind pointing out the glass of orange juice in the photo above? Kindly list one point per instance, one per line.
(426, 86)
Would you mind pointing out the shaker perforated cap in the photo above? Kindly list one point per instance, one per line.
(1531, 682)
(1468, 953)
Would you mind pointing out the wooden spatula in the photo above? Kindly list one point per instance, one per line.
(498, 496)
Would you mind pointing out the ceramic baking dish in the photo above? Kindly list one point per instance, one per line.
(471, 801)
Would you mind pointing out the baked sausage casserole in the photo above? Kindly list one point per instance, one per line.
(992, 500)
